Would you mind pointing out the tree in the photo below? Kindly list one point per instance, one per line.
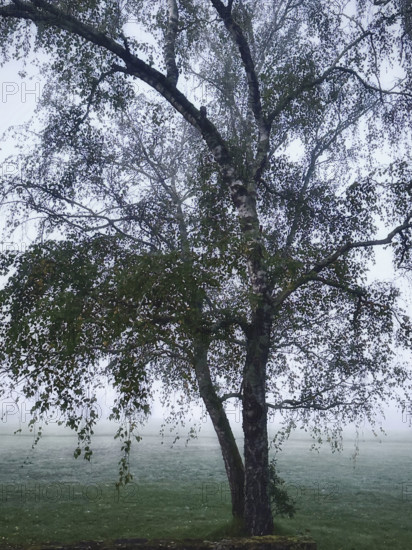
(220, 244)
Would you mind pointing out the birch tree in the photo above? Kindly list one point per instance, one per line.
(214, 170)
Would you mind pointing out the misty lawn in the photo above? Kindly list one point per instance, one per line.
(182, 492)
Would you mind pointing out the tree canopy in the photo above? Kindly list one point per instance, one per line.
(209, 184)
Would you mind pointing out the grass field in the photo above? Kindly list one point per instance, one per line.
(181, 492)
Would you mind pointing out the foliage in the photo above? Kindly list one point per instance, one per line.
(283, 504)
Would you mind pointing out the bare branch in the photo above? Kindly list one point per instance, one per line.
(74, 220)
(227, 396)
(362, 244)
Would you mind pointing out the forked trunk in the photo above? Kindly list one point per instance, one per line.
(233, 462)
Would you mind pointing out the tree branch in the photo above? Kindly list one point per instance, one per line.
(332, 258)
(227, 396)
(322, 145)
(368, 86)
(362, 244)
(243, 198)
(310, 82)
(359, 292)
(93, 91)
(170, 42)
(134, 66)
(239, 38)
(74, 219)
(255, 100)
(292, 405)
